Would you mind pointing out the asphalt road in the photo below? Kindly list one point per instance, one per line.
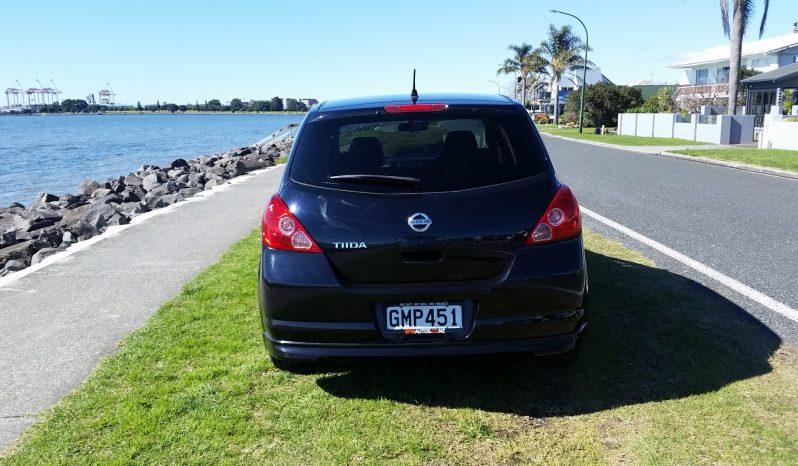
(58, 322)
(742, 224)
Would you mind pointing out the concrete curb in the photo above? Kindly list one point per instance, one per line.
(706, 160)
(736, 165)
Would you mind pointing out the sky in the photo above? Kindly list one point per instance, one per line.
(187, 51)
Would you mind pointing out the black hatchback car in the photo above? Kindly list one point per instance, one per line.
(416, 228)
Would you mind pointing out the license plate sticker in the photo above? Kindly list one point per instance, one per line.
(424, 318)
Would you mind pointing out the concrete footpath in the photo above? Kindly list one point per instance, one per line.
(57, 322)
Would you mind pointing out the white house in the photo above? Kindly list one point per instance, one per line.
(706, 74)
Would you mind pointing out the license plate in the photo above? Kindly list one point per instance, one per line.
(421, 318)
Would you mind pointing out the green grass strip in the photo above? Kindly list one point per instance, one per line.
(668, 373)
(588, 135)
(772, 158)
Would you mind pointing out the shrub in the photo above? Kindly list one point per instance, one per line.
(541, 119)
(570, 117)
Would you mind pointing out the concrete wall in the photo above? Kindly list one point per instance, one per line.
(779, 134)
(645, 125)
(686, 130)
(663, 125)
(627, 124)
(710, 132)
(719, 129)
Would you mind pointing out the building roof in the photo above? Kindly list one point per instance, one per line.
(786, 76)
(757, 47)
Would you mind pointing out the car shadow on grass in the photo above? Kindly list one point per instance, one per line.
(652, 335)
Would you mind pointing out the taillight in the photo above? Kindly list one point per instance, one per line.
(281, 230)
(560, 221)
(409, 108)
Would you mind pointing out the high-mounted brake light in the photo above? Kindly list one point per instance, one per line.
(281, 229)
(410, 108)
(560, 221)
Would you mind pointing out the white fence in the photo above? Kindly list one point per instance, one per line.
(779, 134)
(716, 129)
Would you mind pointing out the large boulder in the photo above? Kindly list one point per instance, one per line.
(70, 201)
(13, 266)
(170, 199)
(101, 192)
(188, 192)
(178, 163)
(44, 253)
(133, 180)
(74, 216)
(236, 168)
(171, 186)
(42, 201)
(152, 181)
(109, 198)
(133, 208)
(21, 251)
(214, 181)
(24, 221)
(9, 238)
(131, 194)
(89, 186)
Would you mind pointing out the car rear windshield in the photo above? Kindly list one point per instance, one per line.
(417, 152)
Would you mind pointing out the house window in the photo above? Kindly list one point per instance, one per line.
(701, 76)
(758, 63)
(722, 75)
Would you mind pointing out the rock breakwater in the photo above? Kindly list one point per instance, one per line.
(52, 223)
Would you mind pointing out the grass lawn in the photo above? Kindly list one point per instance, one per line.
(668, 373)
(774, 158)
(587, 134)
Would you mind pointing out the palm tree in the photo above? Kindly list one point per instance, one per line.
(560, 52)
(523, 62)
(742, 13)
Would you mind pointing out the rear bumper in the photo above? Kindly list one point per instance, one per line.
(303, 351)
(535, 305)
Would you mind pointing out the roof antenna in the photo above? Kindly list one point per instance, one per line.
(414, 93)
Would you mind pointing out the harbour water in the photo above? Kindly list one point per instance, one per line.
(53, 153)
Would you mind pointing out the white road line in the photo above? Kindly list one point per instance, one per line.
(725, 280)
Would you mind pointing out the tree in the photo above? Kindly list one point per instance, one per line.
(138, 106)
(277, 104)
(291, 105)
(172, 108)
(661, 102)
(74, 105)
(261, 106)
(158, 105)
(236, 104)
(742, 12)
(560, 52)
(524, 62)
(604, 101)
(213, 105)
(182, 108)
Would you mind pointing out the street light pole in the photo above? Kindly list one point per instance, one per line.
(498, 88)
(584, 71)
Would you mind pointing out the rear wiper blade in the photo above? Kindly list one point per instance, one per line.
(378, 179)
